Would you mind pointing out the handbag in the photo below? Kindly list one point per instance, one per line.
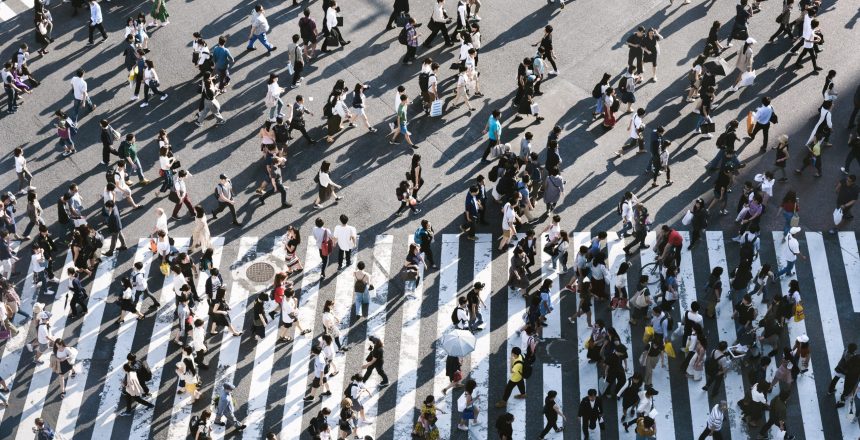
(750, 122)
(795, 219)
(588, 343)
(164, 267)
(154, 84)
(551, 249)
(837, 216)
(642, 357)
(534, 109)
(688, 218)
(436, 108)
(173, 197)
(339, 21)
(331, 40)
(708, 127)
(648, 334)
(325, 247)
(798, 313)
(669, 349)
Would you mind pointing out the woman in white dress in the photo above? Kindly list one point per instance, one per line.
(200, 236)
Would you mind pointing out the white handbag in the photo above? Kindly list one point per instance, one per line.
(688, 218)
(535, 109)
(436, 108)
(837, 216)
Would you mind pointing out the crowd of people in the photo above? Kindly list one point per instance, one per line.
(515, 183)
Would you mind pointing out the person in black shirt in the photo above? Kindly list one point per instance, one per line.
(591, 413)
(551, 411)
(260, 321)
(297, 118)
(375, 361)
(847, 192)
(549, 54)
(634, 44)
(277, 181)
(726, 155)
(721, 188)
(473, 298)
(504, 426)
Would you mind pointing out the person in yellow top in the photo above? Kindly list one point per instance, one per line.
(518, 378)
(646, 429)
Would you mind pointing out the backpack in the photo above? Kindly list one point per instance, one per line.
(747, 252)
(143, 371)
(622, 84)
(424, 81)
(62, 215)
(110, 175)
(527, 369)
(46, 433)
(193, 426)
(596, 93)
(327, 109)
(712, 365)
(401, 37)
(454, 318)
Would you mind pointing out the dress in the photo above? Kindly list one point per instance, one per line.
(200, 235)
(608, 113)
(159, 10)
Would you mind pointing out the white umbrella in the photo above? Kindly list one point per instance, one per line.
(458, 343)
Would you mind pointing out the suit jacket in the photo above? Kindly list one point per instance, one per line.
(587, 412)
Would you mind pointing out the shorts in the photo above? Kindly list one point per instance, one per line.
(717, 193)
(403, 128)
(358, 111)
(286, 324)
(318, 382)
(507, 233)
(43, 348)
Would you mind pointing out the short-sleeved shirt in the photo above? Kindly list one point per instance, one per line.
(79, 86)
(637, 40)
(495, 129)
(847, 193)
(343, 234)
(791, 249)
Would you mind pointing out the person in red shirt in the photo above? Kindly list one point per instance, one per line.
(675, 241)
(278, 292)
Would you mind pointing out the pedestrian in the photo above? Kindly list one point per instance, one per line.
(591, 414)
(222, 61)
(552, 411)
(186, 372)
(200, 235)
(259, 29)
(403, 123)
(224, 190)
(133, 391)
(81, 95)
(297, 120)
(375, 361)
(179, 195)
(326, 186)
(95, 21)
(308, 32)
(785, 22)
(77, 292)
(744, 63)
(715, 422)
(412, 35)
(763, 116)
(517, 378)
(853, 155)
(790, 251)
(323, 238)
(504, 426)
(716, 367)
(227, 408)
(331, 27)
(42, 430)
(810, 39)
(401, 10)
(743, 12)
(114, 224)
(44, 24)
(438, 23)
(847, 193)
(210, 103)
(159, 14)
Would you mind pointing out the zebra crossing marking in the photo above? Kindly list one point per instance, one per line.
(447, 302)
(377, 311)
(516, 307)
(851, 261)
(86, 344)
(480, 358)
(6, 13)
(552, 328)
(620, 316)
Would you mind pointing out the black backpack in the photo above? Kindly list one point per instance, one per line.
(143, 371)
(111, 174)
(622, 84)
(193, 426)
(712, 365)
(401, 38)
(527, 369)
(424, 81)
(327, 108)
(454, 318)
(597, 92)
(62, 215)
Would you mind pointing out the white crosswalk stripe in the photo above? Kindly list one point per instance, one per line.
(403, 366)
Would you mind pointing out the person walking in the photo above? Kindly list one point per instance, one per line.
(331, 27)
(412, 36)
(326, 185)
(227, 408)
(159, 14)
(81, 95)
(438, 24)
(114, 224)
(180, 195)
(151, 82)
(402, 123)
(401, 9)
(790, 252)
(345, 237)
(222, 61)
(224, 190)
(516, 378)
(133, 391)
(764, 116)
(715, 422)
(95, 21)
(493, 130)
(210, 104)
(259, 28)
(375, 361)
(847, 193)
(744, 63)
(552, 411)
(591, 414)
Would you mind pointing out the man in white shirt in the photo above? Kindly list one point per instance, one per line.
(345, 237)
(763, 117)
(330, 28)
(259, 28)
(809, 40)
(181, 192)
(790, 252)
(636, 128)
(438, 23)
(96, 21)
(79, 88)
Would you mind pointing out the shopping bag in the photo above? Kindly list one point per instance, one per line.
(798, 313)
(535, 109)
(708, 127)
(153, 246)
(837, 216)
(165, 268)
(747, 79)
(642, 357)
(436, 108)
(669, 349)
(648, 335)
(602, 385)
(688, 218)
(750, 123)
(588, 343)
(290, 69)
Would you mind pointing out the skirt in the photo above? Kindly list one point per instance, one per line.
(218, 319)
(159, 14)
(333, 125)
(65, 367)
(127, 305)
(324, 193)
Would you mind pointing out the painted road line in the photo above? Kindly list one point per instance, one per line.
(297, 383)
(620, 316)
(516, 308)
(552, 329)
(699, 405)
(449, 264)
(376, 312)
(70, 407)
(112, 392)
(229, 353)
(6, 13)
(805, 383)
(587, 372)
(41, 379)
(552, 382)
(180, 416)
(660, 375)
(851, 260)
(829, 316)
(407, 363)
(157, 346)
(480, 358)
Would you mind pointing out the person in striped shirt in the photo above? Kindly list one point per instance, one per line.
(715, 422)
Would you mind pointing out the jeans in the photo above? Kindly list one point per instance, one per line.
(701, 120)
(275, 110)
(341, 254)
(361, 298)
(560, 256)
(787, 225)
(138, 169)
(789, 266)
(263, 40)
(599, 107)
(12, 98)
(223, 77)
(88, 104)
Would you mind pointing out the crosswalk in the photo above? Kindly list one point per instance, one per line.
(11, 8)
(272, 378)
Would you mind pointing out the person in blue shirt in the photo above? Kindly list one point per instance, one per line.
(472, 212)
(493, 131)
(222, 60)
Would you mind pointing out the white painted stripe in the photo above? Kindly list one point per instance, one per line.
(6, 13)
(229, 353)
(27, 3)
(480, 358)
(620, 317)
(157, 346)
(587, 372)
(851, 260)
(343, 305)
(14, 347)
(70, 408)
(407, 363)
(182, 403)
(301, 349)
(699, 405)
(261, 374)
(552, 329)
(660, 375)
(552, 382)
(41, 379)
(112, 391)
(376, 312)
(829, 316)
(516, 308)
(805, 383)
(449, 264)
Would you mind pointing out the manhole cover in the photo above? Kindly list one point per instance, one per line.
(260, 272)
